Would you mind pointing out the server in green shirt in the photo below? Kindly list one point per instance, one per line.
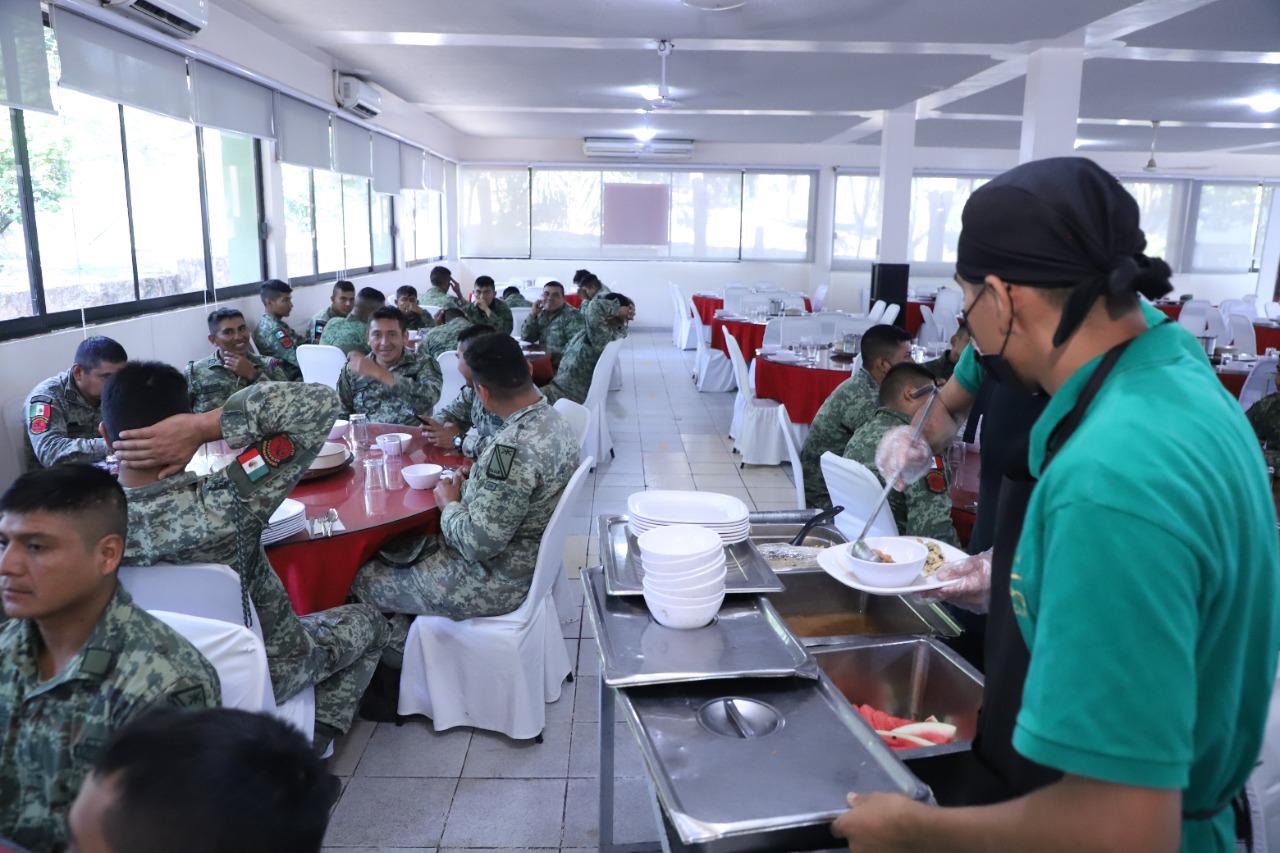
(1146, 590)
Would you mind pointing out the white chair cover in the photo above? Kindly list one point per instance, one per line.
(497, 672)
(1216, 327)
(1243, 336)
(1231, 306)
(578, 416)
(599, 441)
(929, 331)
(1249, 303)
(453, 382)
(1194, 317)
(877, 310)
(819, 298)
(1272, 310)
(890, 314)
(947, 303)
(321, 363)
(712, 371)
(793, 453)
(235, 652)
(690, 325)
(733, 296)
(678, 313)
(615, 377)
(1260, 382)
(518, 316)
(759, 439)
(852, 486)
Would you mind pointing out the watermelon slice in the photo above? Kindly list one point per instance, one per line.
(901, 733)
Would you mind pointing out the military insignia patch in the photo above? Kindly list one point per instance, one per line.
(252, 464)
(39, 409)
(191, 697)
(936, 479)
(39, 425)
(286, 342)
(277, 450)
(500, 462)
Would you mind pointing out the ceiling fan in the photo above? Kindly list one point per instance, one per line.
(1152, 165)
(664, 101)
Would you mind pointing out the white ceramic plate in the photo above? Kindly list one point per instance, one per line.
(688, 507)
(831, 562)
(286, 510)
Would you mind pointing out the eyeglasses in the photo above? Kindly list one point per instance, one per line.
(962, 319)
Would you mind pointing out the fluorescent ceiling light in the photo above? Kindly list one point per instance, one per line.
(715, 5)
(1264, 102)
(644, 134)
(649, 93)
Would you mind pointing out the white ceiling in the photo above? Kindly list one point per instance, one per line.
(811, 71)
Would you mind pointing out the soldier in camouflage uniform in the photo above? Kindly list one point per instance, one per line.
(62, 412)
(437, 296)
(465, 424)
(396, 386)
(341, 300)
(850, 406)
(589, 287)
(488, 309)
(605, 320)
(450, 323)
(78, 659)
(553, 322)
(407, 301)
(219, 518)
(924, 508)
(351, 333)
(944, 365)
(1264, 417)
(272, 336)
(232, 366)
(491, 525)
(515, 299)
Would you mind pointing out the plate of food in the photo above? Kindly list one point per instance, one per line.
(902, 565)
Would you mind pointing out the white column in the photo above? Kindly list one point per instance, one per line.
(1052, 103)
(897, 155)
(824, 228)
(1270, 261)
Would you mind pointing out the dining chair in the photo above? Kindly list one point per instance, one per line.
(890, 314)
(877, 311)
(851, 485)
(1272, 310)
(793, 453)
(1261, 382)
(321, 363)
(929, 331)
(1243, 336)
(758, 438)
(599, 440)
(819, 299)
(1194, 317)
(518, 316)
(235, 652)
(579, 418)
(712, 371)
(453, 381)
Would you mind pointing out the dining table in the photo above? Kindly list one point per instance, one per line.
(707, 304)
(1171, 309)
(540, 366)
(317, 570)
(1234, 374)
(799, 386)
(748, 333)
(915, 318)
(1267, 334)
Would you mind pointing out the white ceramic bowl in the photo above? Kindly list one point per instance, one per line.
(699, 588)
(678, 542)
(682, 564)
(421, 476)
(338, 431)
(908, 559)
(678, 616)
(332, 453)
(713, 566)
(680, 599)
(404, 437)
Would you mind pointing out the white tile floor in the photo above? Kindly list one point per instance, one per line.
(408, 788)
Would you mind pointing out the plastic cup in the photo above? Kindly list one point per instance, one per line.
(389, 445)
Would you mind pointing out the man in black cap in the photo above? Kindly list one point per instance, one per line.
(1146, 595)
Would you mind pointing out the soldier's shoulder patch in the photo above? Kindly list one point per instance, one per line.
(189, 697)
(500, 461)
(40, 407)
(97, 662)
(38, 425)
(253, 465)
(936, 479)
(41, 398)
(277, 450)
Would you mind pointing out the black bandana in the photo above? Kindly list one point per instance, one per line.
(1061, 222)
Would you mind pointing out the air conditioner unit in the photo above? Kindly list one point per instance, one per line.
(622, 148)
(181, 18)
(355, 95)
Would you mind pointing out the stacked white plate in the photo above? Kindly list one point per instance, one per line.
(684, 570)
(289, 518)
(724, 515)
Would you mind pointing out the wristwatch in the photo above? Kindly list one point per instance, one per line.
(457, 443)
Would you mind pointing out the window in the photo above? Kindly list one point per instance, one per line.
(424, 225)
(231, 182)
(493, 206)
(857, 217)
(1157, 201)
(936, 203)
(330, 253)
(15, 276)
(566, 213)
(706, 214)
(1230, 225)
(299, 221)
(383, 253)
(775, 216)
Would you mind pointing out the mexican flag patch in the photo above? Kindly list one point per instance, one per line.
(253, 465)
(39, 410)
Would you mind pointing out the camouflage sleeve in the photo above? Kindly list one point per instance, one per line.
(271, 370)
(281, 426)
(1264, 417)
(345, 391)
(422, 390)
(596, 318)
(928, 504)
(268, 345)
(493, 502)
(459, 411)
(532, 329)
(506, 322)
(190, 375)
(47, 430)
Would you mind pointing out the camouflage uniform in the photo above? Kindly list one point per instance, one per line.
(315, 328)
(1264, 417)
(51, 732)
(517, 300)
(219, 519)
(435, 298)
(349, 334)
(210, 383)
(62, 426)
(553, 332)
(849, 407)
(573, 376)
(467, 413)
(482, 562)
(417, 390)
(941, 367)
(924, 509)
(415, 322)
(275, 339)
(499, 317)
(443, 338)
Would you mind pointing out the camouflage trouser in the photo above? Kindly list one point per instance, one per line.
(815, 485)
(348, 643)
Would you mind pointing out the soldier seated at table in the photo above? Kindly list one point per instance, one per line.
(944, 365)
(488, 309)
(589, 287)
(924, 508)
(78, 659)
(553, 323)
(63, 411)
(491, 523)
(211, 380)
(450, 322)
(605, 320)
(464, 425)
(850, 406)
(407, 302)
(341, 300)
(514, 298)
(178, 517)
(437, 296)
(273, 337)
(395, 386)
(1264, 417)
(351, 333)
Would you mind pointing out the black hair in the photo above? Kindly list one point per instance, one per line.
(498, 364)
(141, 394)
(390, 312)
(97, 349)
(214, 780)
(588, 280)
(273, 288)
(882, 341)
(406, 290)
(510, 290)
(451, 314)
(485, 281)
(440, 274)
(218, 315)
(474, 331)
(554, 284)
(900, 377)
(84, 491)
(371, 294)
(619, 298)
(343, 285)
(582, 275)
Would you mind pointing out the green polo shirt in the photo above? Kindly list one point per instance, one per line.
(1145, 585)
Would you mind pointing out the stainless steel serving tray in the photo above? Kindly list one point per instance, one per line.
(821, 611)
(747, 640)
(746, 569)
(766, 770)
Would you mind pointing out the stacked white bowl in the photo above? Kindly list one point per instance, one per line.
(684, 569)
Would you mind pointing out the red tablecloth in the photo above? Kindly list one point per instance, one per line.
(1267, 335)
(540, 367)
(1172, 310)
(914, 318)
(1233, 381)
(802, 390)
(750, 336)
(317, 573)
(707, 306)
(573, 299)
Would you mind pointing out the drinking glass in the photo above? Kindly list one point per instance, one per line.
(390, 446)
(360, 430)
(375, 474)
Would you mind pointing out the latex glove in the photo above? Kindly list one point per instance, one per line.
(898, 454)
(973, 589)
